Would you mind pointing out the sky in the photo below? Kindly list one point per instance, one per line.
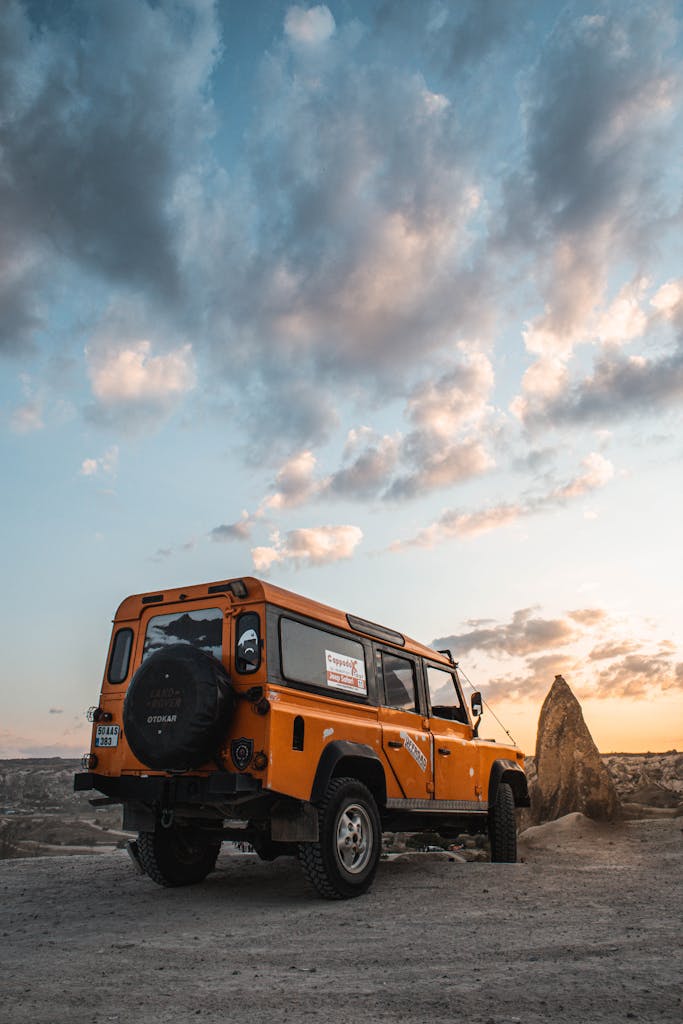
(380, 301)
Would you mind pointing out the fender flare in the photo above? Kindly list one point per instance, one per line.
(508, 771)
(364, 764)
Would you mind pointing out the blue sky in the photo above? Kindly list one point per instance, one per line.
(381, 300)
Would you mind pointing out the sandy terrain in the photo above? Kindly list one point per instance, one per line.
(586, 929)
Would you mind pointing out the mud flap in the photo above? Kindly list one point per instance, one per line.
(137, 817)
(294, 823)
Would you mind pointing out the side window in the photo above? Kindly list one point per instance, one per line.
(443, 695)
(314, 656)
(248, 642)
(201, 627)
(398, 675)
(120, 656)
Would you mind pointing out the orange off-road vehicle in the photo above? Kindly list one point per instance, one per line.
(238, 710)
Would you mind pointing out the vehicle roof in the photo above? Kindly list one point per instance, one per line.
(259, 591)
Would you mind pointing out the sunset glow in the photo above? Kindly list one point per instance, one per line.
(381, 300)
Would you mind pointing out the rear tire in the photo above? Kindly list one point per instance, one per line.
(177, 856)
(342, 864)
(503, 827)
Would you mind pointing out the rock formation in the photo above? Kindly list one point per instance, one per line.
(570, 773)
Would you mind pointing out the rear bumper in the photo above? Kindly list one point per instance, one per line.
(178, 789)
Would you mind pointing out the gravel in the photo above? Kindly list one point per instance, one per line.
(586, 928)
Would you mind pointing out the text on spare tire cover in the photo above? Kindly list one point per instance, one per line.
(163, 700)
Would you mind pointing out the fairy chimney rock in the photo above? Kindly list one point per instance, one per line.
(571, 775)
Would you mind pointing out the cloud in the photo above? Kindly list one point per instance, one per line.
(454, 38)
(596, 472)
(588, 616)
(524, 634)
(598, 106)
(439, 468)
(161, 554)
(294, 483)
(668, 300)
(56, 711)
(370, 462)
(439, 451)
(451, 431)
(535, 680)
(27, 417)
(638, 675)
(358, 204)
(619, 383)
(133, 374)
(318, 545)
(104, 129)
(626, 663)
(309, 27)
(107, 463)
(239, 530)
(358, 237)
(135, 381)
(612, 649)
(619, 386)
(450, 416)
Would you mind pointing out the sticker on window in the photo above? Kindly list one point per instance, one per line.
(344, 673)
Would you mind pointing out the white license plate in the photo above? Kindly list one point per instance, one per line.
(107, 736)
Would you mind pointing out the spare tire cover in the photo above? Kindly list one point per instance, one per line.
(177, 708)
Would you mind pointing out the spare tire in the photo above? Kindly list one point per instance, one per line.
(177, 708)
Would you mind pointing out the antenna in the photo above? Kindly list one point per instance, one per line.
(471, 685)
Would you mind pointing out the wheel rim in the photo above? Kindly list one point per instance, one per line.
(354, 838)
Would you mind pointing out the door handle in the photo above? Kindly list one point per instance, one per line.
(445, 751)
(396, 744)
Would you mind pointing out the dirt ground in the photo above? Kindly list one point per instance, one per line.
(587, 928)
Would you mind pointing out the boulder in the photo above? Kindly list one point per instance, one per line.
(570, 774)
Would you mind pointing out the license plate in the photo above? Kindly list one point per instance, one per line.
(107, 736)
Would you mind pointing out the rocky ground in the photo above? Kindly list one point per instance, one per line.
(40, 815)
(585, 929)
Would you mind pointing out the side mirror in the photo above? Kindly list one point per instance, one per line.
(477, 704)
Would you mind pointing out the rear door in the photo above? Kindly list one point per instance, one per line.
(405, 738)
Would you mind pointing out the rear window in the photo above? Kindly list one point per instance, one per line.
(120, 656)
(202, 628)
(314, 656)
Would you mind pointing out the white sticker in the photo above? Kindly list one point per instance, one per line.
(417, 755)
(327, 733)
(344, 673)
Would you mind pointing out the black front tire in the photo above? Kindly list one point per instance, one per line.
(502, 826)
(343, 863)
(177, 856)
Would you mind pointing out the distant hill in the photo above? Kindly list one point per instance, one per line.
(43, 784)
(652, 779)
(40, 814)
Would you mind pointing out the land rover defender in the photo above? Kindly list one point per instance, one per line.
(238, 710)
